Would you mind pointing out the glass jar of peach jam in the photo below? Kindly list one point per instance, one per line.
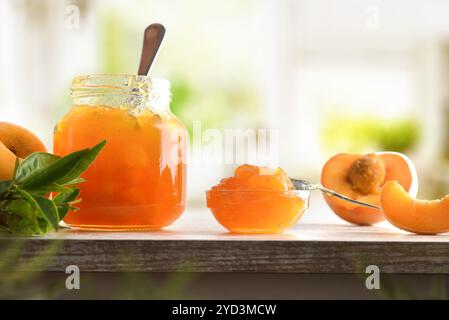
(138, 182)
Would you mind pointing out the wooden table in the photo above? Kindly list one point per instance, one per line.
(196, 243)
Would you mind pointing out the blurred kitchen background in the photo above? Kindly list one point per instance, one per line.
(330, 75)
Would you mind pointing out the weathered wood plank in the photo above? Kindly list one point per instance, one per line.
(229, 256)
(199, 244)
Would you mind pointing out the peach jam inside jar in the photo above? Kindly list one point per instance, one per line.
(138, 182)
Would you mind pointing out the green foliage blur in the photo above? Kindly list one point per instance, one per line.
(215, 102)
(215, 105)
(362, 133)
(118, 51)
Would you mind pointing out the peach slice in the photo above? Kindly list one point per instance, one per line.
(360, 177)
(410, 214)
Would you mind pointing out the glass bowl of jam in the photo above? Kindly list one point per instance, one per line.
(257, 200)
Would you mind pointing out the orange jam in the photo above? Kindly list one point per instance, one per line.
(138, 180)
(257, 200)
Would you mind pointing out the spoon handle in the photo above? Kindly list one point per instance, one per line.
(305, 185)
(152, 39)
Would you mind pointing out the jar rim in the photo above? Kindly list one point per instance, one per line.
(118, 90)
(119, 81)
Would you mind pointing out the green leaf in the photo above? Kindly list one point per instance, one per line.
(43, 190)
(20, 207)
(44, 206)
(74, 181)
(16, 166)
(49, 211)
(24, 204)
(67, 196)
(83, 164)
(63, 170)
(27, 227)
(20, 217)
(4, 185)
(63, 199)
(44, 226)
(53, 172)
(32, 163)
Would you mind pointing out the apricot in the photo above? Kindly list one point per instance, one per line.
(361, 177)
(7, 163)
(410, 214)
(15, 142)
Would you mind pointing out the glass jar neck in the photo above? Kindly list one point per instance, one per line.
(122, 91)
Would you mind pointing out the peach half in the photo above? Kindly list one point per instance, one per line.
(361, 177)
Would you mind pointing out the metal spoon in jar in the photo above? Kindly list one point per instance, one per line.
(306, 185)
(152, 39)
